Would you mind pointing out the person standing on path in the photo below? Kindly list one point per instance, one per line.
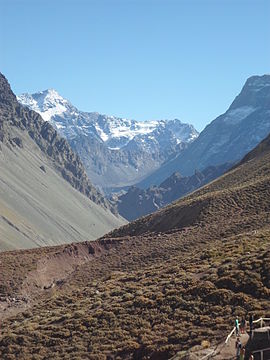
(238, 346)
(242, 353)
(236, 324)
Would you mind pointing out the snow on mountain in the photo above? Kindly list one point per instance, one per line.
(227, 138)
(115, 151)
(235, 116)
(47, 103)
(258, 83)
(115, 132)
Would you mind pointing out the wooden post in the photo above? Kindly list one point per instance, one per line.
(261, 322)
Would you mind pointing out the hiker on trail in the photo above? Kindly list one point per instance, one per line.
(243, 325)
(251, 319)
(238, 347)
(242, 353)
(236, 324)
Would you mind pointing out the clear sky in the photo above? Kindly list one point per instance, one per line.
(140, 59)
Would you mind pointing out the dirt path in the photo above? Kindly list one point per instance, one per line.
(221, 352)
(228, 351)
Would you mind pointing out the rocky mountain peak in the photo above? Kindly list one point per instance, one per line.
(46, 98)
(6, 95)
(48, 103)
(255, 93)
(115, 151)
(228, 137)
(115, 132)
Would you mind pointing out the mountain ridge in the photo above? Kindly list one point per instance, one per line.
(48, 141)
(192, 209)
(46, 196)
(115, 151)
(228, 137)
(138, 202)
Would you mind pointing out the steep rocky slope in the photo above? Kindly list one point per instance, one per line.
(162, 284)
(139, 202)
(46, 197)
(116, 152)
(229, 137)
(13, 115)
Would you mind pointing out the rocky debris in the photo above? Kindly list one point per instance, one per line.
(17, 141)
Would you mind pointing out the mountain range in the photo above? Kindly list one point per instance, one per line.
(167, 283)
(227, 138)
(170, 282)
(136, 202)
(116, 152)
(46, 196)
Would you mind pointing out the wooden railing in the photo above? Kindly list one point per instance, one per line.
(230, 335)
(260, 320)
(208, 355)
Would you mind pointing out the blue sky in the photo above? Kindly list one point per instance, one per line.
(147, 59)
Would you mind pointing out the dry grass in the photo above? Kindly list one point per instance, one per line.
(147, 309)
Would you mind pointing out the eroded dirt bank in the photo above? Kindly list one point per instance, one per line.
(38, 272)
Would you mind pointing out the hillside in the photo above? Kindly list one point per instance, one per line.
(259, 150)
(243, 190)
(43, 185)
(227, 138)
(116, 152)
(162, 284)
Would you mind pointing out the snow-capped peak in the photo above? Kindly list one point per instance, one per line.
(113, 131)
(47, 103)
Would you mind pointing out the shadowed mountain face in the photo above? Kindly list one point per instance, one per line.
(139, 202)
(229, 137)
(46, 197)
(259, 150)
(116, 152)
(162, 284)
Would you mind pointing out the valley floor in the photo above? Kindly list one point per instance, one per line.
(153, 288)
(164, 296)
